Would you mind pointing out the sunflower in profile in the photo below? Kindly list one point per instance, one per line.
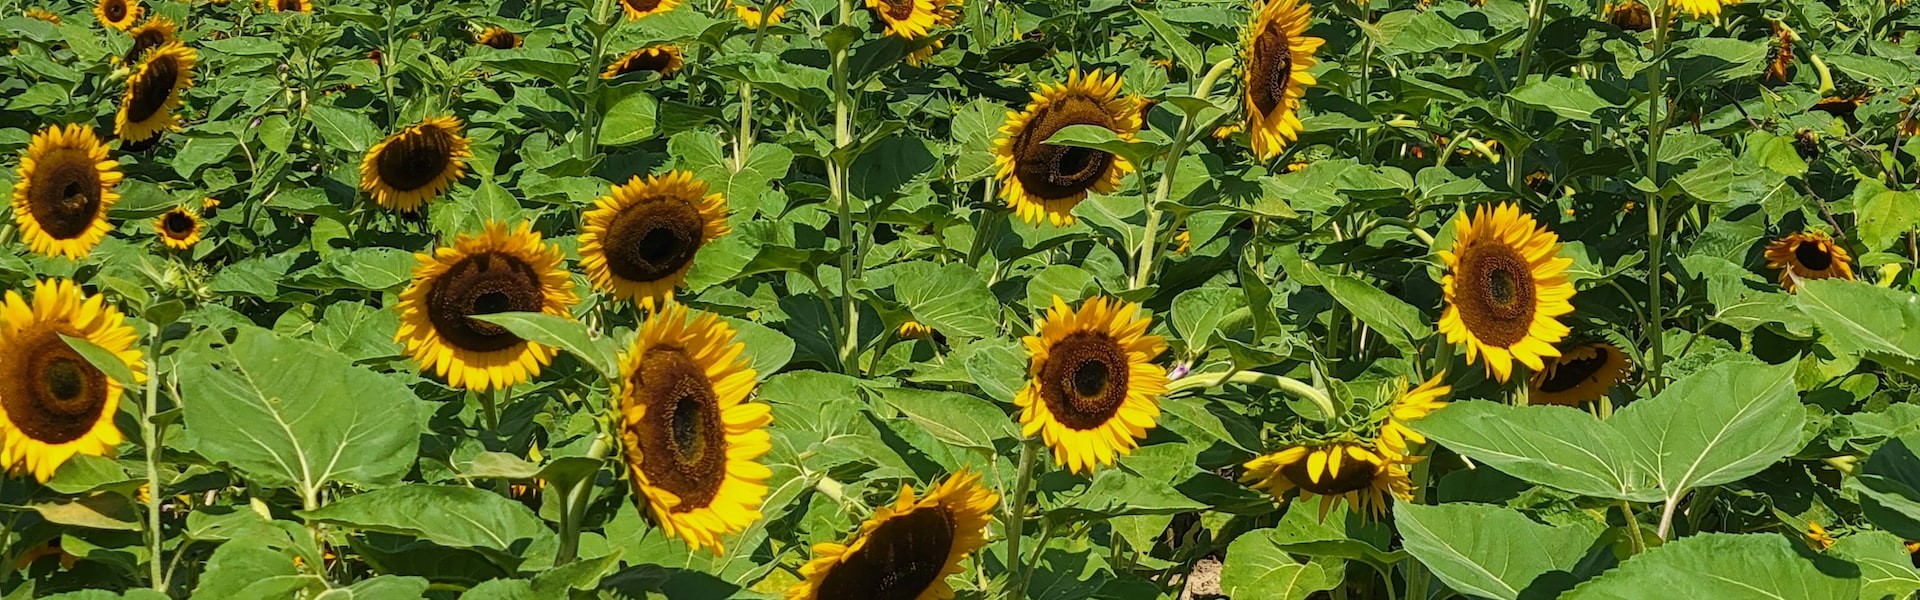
(1780, 54)
(636, 9)
(905, 551)
(65, 187)
(1804, 255)
(1505, 287)
(640, 241)
(179, 228)
(118, 14)
(43, 15)
(498, 271)
(1042, 182)
(154, 33)
(1702, 8)
(749, 12)
(498, 38)
(154, 91)
(1629, 15)
(1582, 373)
(302, 6)
(1275, 54)
(1818, 538)
(692, 440)
(1396, 437)
(410, 168)
(1341, 472)
(913, 330)
(659, 58)
(53, 402)
(1092, 390)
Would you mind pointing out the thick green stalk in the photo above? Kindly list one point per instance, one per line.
(1293, 387)
(152, 432)
(573, 512)
(1657, 120)
(1150, 243)
(1017, 518)
(837, 185)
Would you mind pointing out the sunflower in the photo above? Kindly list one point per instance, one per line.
(905, 551)
(1342, 472)
(1629, 15)
(1275, 54)
(908, 19)
(154, 91)
(1582, 373)
(1504, 287)
(179, 228)
(1843, 105)
(659, 58)
(53, 402)
(500, 270)
(1702, 8)
(1044, 181)
(642, 8)
(304, 6)
(1409, 406)
(749, 12)
(154, 33)
(43, 15)
(118, 14)
(498, 38)
(1818, 538)
(1183, 242)
(1092, 388)
(1909, 115)
(1780, 54)
(1804, 255)
(65, 187)
(410, 168)
(692, 440)
(640, 240)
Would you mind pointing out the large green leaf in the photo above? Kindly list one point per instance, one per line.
(1565, 96)
(1873, 322)
(952, 298)
(1550, 445)
(1886, 569)
(1723, 567)
(1889, 487)
(452, 516)
(1492, 551)
(1717, 426)
(559, 332)
(248, 570)
(953, 417)
(1393, 318)
(1256, 567)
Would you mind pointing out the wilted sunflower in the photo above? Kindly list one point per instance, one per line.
(65, 187)
(1780, 54)
(1341, 472)
(1629, 15)
(1702, 8)
(640, 240)
(1582, 373)
(659, 58)
(498, 38)
(154, 33)
(410, 168)
(905, 551)
(118, 14)
(154, 91)
(304, 6)
(179, 228)
(43, 15)
(641, 8)
(1042, 182)
(53, 402)
(1504, 287)
(692, 440)
(1092, 390)
(749, 12)
(1409, 406)
(1275, 53)
(1804, 255)
(497, 271)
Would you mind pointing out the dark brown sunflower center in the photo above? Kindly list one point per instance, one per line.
(147, 39)
(152, 88)
(64, 193)
(289, 4)
(1632, 16)
(500, 40)
(1354, 476)
(653, 239)
(898, 10)
(1271, 69)
(682, 439)
(1496, 293)
(1052, 171)
(416, 158)
(55, 395)
(646, 62)
(115, 9)
(1812, 256)
(641, 5)
(1084, 382)
(902, 558)
(1568, 374)
(483, 284)
(178, 225)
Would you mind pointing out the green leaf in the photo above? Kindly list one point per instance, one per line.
(97, 511)
(384, 587)
(1723, 567)
(1493, 551)
(1716, 426)
(1865, 320)
(343, 129)
(953, 417)
(1188, 55)
(629, 121)
(1257, 567)
(1887, 215)
(1549, 445)
(1886, 569)
(104, 360)
(1140, 152)
(1393, 318)
(248, 570)
(951, 298)
(452, 516)
(1564, 96)
(559, 332)
(1889, 487)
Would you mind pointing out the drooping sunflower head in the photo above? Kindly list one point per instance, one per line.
(154, 91)
(1092, 388)
(1582, 373)
(636, 9)
(1337, 472)
(1629, 15)
(664, 59)
(1396, 437)
(1703, 8)
(1780, 53)
(639, 241)
(65, 187)
(412, 167)
(1505, 288)
(1275, 54)
(498, 38)
(499, 270)
(1043, 182)
(913, 330)
(749, 12)
(301, 6)
(907, 19)
(1818, 538)
(43, 15)
(1808, 255)
(53, 402)
(905, 551)
(154, 33)
(179, 228)
(692, 441)
(118, 14)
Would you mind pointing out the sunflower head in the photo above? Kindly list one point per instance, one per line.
(664, 59)
(1396, 436)
(1043, 182)
(1808, 255)
(500, 270)
(118, 14)
(412, 167)
(1582, 373)
(692, 441)
(639, 242)
(154, 33)
(179, 228)
(498, 38)
(65, 187)
(1505, 288)
(749, 12)
(1092, 388)
(1338, 472)
(301, 6)
(1780, 53)
(1629, 15)
(906, 550)
(1818, 538)
(53, 402)
(906, 19)
(1275, 54)
(636, 9)
(153, 93)
(1703, 8)
(43, 15)
(913, 330)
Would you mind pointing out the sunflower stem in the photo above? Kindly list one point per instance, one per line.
(1150, 242)
(573, 511)
(1666, 517)
(837, 182)
(1633, 528)
(1657, 120)
(152, 432)
(1296, 388)
(1017, 518)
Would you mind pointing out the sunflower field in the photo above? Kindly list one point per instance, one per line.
(932, 299)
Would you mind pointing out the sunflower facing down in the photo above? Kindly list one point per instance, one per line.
(692, 441)
(410, 168)
(65, 187)
(302, 6)
(498, 38)
(1780, 53)
(1092, 390)
(53, 403)
(1341, 472)
(1396, 438)
(1582, 373)
(749, 11)
(153, 93)
(639, 241)
(179, 228)
(905, 551)
(1505, 287)
(1275, 54)
(1629, 15)
(1043, 182)
(43, 15)
(498, 271)
(154, 33)
(1805, 255)
(636, 9)
(118, 14)
(660, 58)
